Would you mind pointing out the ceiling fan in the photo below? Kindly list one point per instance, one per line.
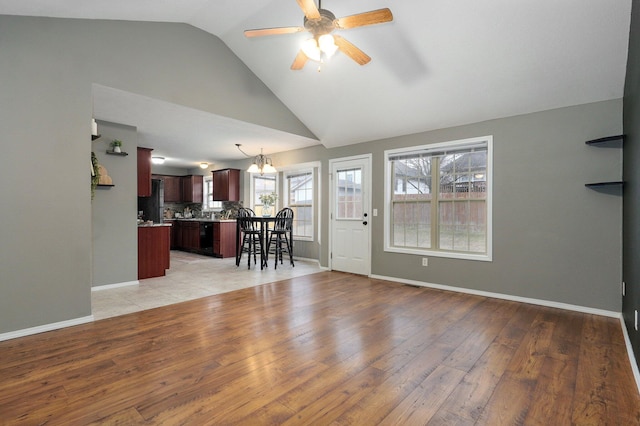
(321, 23)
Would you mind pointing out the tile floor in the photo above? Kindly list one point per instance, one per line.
(191, 276)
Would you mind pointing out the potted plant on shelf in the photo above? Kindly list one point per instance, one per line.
(268, 200)
(115, 145)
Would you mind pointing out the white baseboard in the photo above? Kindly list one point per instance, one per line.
(632, 358)
(45, 327)
(316, 261)
(550, 304)
(116, 285)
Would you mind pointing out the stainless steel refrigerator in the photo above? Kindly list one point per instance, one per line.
(153, 206)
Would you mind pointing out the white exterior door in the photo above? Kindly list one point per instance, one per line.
(350, 217)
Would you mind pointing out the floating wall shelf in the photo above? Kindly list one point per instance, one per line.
(603, 184)
(103, 186)
(609, 141)
(606, 140)
(121, 154)
(94, 137)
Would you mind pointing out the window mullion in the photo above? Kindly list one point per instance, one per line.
(435, 200)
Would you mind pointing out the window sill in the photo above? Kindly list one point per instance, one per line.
(445, 254)
(304, 239)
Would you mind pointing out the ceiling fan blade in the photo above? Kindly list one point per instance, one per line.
(272, 31)
(351, 50)
(299, 61)
(309, 8)
(366, 18)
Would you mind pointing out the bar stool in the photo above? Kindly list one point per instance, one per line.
(250, 238)
(282, 228)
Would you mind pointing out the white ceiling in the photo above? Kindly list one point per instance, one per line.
(440, 63)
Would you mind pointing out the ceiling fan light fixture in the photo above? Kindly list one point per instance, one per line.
(327, 44)
(311, 49)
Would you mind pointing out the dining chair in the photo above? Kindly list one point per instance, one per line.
(251, 241)
(282, 232)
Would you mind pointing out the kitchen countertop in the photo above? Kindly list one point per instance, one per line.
(202, 220)
(149, 225)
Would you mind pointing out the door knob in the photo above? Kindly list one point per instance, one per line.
(364, 223)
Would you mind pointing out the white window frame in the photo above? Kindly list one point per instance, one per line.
(294, 172)
(256, 202)
(388, 193)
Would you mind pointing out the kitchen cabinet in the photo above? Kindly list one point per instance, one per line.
(182, 189)
(224, 239)
(190, 235)
(186, 235)
(172, 189)
(153, 251)
(192, 189)
(174, 231)
(144, 172)
(226, 185)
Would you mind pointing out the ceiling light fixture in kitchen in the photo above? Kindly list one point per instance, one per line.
(204, 165)
(157, 160)
(261, 163)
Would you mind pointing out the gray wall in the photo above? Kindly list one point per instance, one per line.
(113, 210)
(553, 238)
(47, 67)
(631, 225)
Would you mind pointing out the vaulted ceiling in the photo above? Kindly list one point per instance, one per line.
(439, 63)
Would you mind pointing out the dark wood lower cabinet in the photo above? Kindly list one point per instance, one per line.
(153, 251)
(224, 239)
(186, 235)
(190, 236)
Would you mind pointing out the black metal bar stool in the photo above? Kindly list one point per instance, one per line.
(282, 230)
(251, 240)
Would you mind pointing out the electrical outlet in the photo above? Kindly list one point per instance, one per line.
(425, 261)
(636, 319)
(375, 212)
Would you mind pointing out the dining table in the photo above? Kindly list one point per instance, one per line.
(262, 223)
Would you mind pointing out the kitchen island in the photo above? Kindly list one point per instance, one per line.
(154, 242)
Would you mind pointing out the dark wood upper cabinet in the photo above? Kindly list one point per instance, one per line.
(182, 189)
(226, 185)
(144, 172)
(172, 189)
(191, 189)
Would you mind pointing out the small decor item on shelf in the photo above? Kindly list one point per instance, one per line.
(115, 145)
(268, 200)
(95, 174)
(104, 179)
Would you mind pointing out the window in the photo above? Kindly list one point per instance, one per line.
(207, 196)
(262, 184)
(299, 198)
(439, 199)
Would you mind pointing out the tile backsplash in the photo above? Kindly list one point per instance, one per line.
(229, 209)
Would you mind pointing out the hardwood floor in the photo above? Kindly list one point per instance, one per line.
(328, 348)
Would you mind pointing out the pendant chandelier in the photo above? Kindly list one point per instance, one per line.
(261, 163)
